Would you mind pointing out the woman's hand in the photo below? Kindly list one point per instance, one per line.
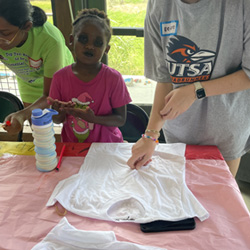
(142, 152)
(16, 121)
(178, 101)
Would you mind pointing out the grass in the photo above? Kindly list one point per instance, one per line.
(126, 53)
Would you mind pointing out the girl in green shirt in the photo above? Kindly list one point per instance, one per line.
(34, 50)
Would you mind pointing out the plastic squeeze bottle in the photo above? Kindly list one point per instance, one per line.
(44, 139)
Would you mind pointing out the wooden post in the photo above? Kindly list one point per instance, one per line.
(63, 17)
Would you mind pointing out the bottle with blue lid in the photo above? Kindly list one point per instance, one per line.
(44, 139)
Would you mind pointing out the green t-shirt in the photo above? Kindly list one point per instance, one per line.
(43, 53)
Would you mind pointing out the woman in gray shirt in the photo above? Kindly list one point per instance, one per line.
(199, 53)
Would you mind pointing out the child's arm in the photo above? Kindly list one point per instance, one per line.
(59, 107)
(116, 119)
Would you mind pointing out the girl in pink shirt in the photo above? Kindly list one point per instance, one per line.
(90, 97)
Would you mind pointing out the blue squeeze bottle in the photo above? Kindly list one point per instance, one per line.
(44, 139)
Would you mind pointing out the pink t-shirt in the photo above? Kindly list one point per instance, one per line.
(105, 92)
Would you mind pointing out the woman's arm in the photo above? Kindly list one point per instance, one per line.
(143, 150)
(234, 82)
(180, 99)
(155, 120)
(17, 119)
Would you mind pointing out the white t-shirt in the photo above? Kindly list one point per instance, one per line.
(64, 237)
(106, 188)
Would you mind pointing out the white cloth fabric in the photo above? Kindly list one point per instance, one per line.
(66, 237)
(106, 188)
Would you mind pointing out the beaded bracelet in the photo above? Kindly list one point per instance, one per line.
(153, 131)
(150, 137)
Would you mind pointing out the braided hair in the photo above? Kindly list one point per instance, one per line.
(87, 15)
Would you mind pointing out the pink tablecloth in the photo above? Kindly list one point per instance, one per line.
(25, 220)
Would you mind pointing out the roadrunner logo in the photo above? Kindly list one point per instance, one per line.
(187, 62)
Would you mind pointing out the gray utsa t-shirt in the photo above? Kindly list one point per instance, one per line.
(181, 47)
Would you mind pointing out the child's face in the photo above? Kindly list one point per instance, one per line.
(90, 43)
